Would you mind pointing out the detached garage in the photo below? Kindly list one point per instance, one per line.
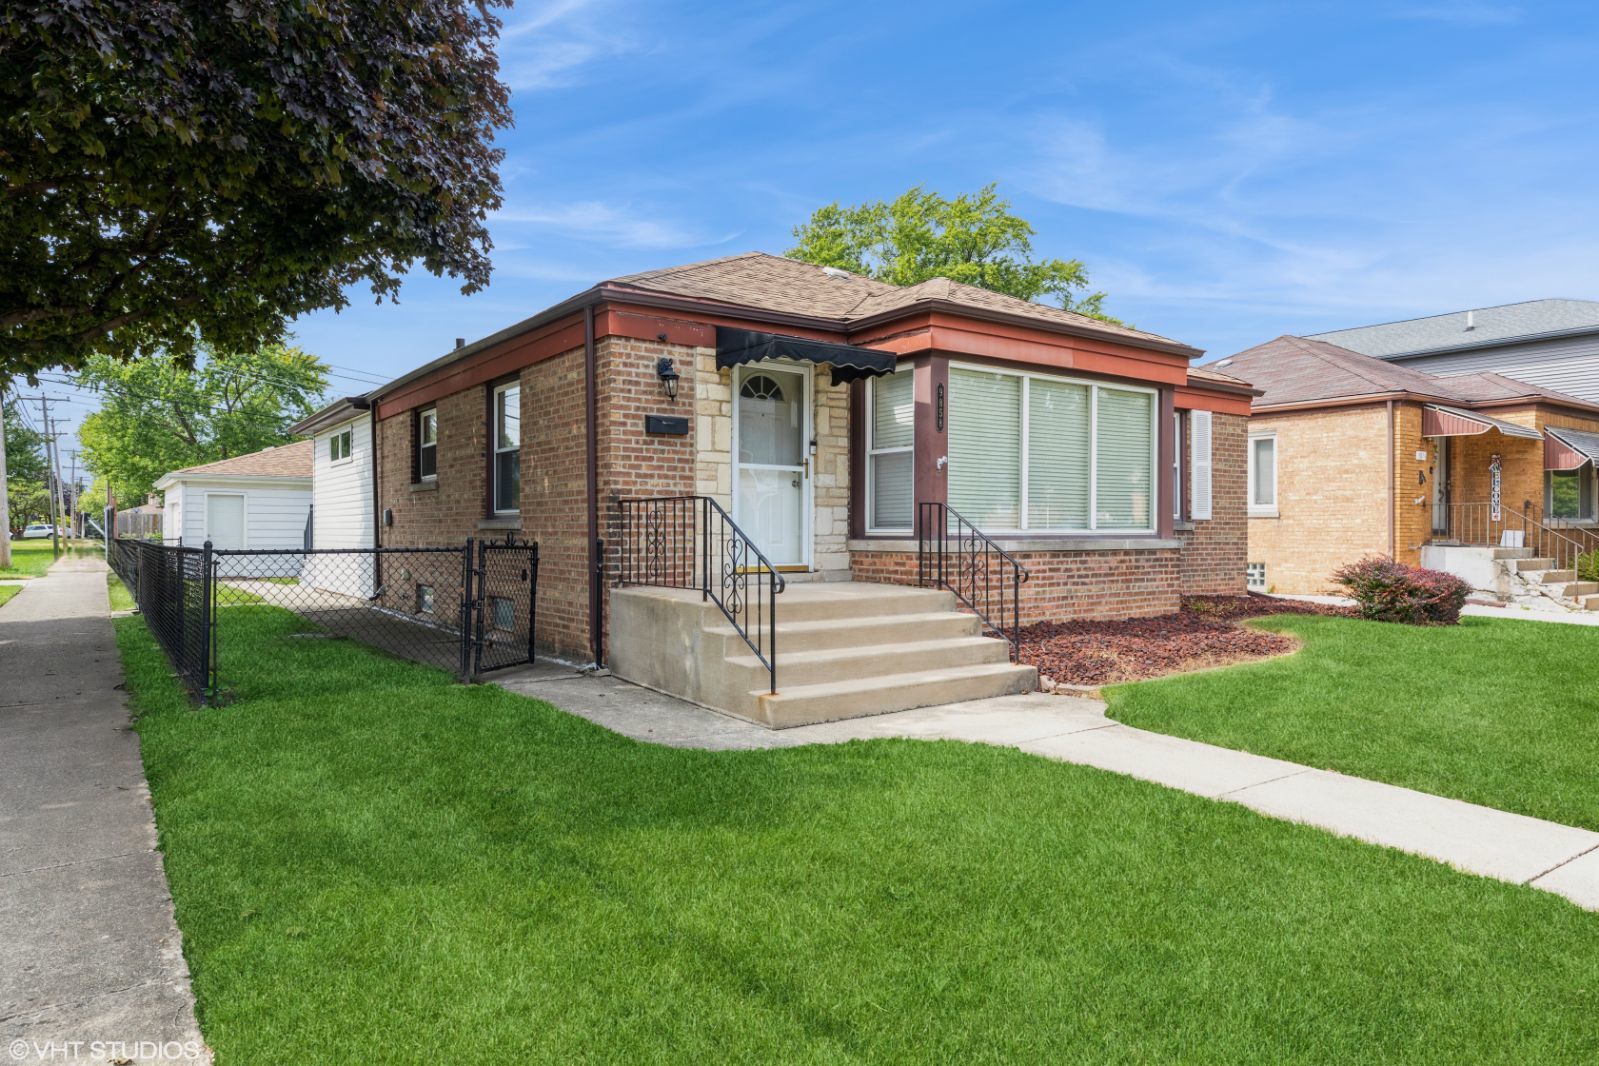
(260, 500)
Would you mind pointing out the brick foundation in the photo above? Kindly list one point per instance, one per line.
(1064, 584)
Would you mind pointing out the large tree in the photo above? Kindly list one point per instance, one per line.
(973, 238)
(177, 172)
(156, 415)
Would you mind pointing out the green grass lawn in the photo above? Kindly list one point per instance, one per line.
(29, 558)
(121, 598)
(8, 591)
(372, 863)
(1503, 713)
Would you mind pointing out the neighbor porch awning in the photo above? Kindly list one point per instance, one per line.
(1440, 421)
(738, 346)
(1567, 449)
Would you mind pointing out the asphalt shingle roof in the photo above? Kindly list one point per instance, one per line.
(774, 283)
(1439, 333)
(1295, 370)
(285, 460)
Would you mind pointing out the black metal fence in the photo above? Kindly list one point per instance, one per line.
(468, 609)
(172, 587)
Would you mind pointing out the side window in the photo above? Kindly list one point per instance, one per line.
(427, 444)
(506, 433)
(339, 446)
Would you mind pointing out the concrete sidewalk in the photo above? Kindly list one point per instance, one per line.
(89, 950)
(1479, 840)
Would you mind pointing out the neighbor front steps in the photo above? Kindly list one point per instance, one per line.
(844, 650)
(1537, 577)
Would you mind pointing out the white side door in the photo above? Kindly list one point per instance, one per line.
(771, 460)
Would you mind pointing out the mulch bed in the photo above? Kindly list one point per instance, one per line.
(1204, 633)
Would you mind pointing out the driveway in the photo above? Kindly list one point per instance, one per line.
(89, 951)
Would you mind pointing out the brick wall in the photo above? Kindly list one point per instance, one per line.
(1214, 553)
(455, 506)
(1064, 584)
(1412, 484)
(1332, 495)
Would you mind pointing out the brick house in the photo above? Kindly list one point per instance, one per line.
(1350, 455)
(780, 432)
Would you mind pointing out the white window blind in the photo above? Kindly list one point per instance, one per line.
(985, 443)
(889, 451)
(1199, 475)
(1263, 474)
(1058, 427)
(1125, 463)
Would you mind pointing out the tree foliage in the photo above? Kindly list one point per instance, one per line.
(974, 239)
(27, 490)
(178, 172)
(156, 415)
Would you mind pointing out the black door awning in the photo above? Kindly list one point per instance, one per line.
(737, 346)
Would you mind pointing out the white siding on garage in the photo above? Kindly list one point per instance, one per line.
(274, 516)
(342, 511)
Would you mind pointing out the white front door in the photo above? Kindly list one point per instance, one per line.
(224, 519)
(771, 460)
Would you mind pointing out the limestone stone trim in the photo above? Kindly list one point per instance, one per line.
(713, 470)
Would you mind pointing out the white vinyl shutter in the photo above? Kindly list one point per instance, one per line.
(1199, 474)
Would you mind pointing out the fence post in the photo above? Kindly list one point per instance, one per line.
(466, 612)
(208, 633)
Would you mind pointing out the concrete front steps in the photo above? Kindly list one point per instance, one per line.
(1541, 578)
(844, 650)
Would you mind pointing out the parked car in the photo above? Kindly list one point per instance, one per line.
(37, 530)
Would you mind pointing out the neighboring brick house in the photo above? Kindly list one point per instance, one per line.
(1350, 455)
(823, 412)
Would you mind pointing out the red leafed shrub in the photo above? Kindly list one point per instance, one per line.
(1389, 591)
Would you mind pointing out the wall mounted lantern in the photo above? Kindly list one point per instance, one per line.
(668, 375)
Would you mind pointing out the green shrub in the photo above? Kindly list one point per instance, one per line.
(1389, 591)
(1588, 566)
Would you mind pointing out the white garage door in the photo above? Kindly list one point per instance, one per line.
(224, 520)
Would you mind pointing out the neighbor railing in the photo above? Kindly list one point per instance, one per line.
(1476, 522)
(953, 554)
(690, 542)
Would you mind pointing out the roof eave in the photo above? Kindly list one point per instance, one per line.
(986, 314)
(334, 413)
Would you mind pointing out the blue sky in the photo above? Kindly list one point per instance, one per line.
(1228, 172)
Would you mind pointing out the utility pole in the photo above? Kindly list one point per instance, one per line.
(5, 499)
(52, 459)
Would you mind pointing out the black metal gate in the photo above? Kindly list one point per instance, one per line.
(504, 602)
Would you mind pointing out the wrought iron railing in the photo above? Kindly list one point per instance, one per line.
(690, 542)
(953, 554)
(1478, 523)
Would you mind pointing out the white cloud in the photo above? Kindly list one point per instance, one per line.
(548, 47)
(608, 224)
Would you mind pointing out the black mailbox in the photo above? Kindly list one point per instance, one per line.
(670, 425)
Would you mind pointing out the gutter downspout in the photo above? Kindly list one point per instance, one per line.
(591, 433)
(1393, 487)
(377, 500)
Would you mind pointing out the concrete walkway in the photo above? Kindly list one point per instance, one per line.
(1479, 840)
(88, 947)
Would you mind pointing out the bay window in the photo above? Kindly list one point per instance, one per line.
(506, 433)
(891, 438)
(1033, 453)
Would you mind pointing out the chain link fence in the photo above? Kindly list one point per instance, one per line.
(467, 609)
